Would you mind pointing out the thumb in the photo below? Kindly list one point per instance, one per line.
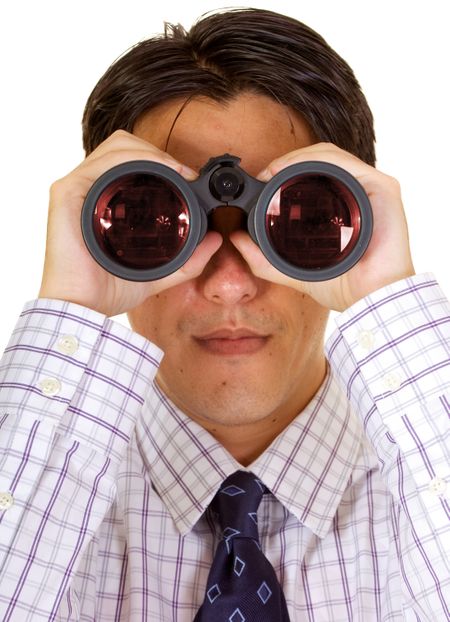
(200, 257)
(258, 263)
(261, 266)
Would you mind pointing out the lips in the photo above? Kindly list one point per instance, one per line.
(232, 341)
(228, 333)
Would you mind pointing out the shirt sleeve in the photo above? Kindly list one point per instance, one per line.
(391, 354)
(72, 383)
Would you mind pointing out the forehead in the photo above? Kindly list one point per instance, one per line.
(251, 126)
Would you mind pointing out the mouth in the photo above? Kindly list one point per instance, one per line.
(229, 342)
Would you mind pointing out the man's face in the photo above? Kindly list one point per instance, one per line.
(238, 349)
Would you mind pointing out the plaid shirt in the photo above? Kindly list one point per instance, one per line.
(104, 484)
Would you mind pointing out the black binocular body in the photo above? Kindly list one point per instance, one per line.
(141, 220)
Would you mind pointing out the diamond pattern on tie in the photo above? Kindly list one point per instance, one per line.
(254, 517)
(232, 491)
(213, 593)
(239, 566)
(229, 532)
(264, 592)
(242, 585)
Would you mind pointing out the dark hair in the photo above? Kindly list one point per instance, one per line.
(223, 54)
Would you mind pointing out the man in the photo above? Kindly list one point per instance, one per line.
(108, 477)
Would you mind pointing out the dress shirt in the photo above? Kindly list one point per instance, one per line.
(105, 484)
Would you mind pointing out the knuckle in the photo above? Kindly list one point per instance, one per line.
(56, 186)
(274, 167)
(173, 164)
(328, 144)
(117, 137)
(120, 133)
(394, 183)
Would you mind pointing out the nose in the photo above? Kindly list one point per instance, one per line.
(227, 279)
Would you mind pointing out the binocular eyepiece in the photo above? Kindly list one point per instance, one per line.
(141, 220)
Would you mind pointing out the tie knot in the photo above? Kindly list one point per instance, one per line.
(237, 504)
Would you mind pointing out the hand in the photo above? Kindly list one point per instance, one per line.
(70, 273)
(387, 258)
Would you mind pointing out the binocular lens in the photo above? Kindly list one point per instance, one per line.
(313, 221)
(141, 221)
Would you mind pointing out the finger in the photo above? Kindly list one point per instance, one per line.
(130, 147)
(322, 152)
(123, 140)
(258, 263)
(92, 170)
(197, 262)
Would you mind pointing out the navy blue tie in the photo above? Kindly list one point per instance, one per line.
(242, 585)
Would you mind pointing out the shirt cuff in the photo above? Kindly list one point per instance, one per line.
(399, 337)
(79, 370)
(393, 347)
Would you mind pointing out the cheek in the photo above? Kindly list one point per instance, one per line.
(155, 319)
(307, 323)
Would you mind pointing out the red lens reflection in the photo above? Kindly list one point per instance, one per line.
(313, 221)
(141, 221)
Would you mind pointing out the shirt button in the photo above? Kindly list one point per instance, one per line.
(391, 381)
(6, 500)
(68, 344)
(437, 486)
(366, 339)
(50, 386)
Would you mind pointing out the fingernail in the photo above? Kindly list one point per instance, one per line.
(264, 175)
(189, 172)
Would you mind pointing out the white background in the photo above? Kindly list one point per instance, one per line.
(52, 53)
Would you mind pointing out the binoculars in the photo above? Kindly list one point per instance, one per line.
(141, 220)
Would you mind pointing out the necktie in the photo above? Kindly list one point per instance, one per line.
(242, 585)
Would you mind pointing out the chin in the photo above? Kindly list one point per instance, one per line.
(232, 405)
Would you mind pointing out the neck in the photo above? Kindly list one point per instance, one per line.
(247, 440)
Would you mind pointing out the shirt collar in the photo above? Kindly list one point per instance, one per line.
(307, 467)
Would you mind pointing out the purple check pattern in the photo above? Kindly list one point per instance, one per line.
(110, 482)
(242, 585)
